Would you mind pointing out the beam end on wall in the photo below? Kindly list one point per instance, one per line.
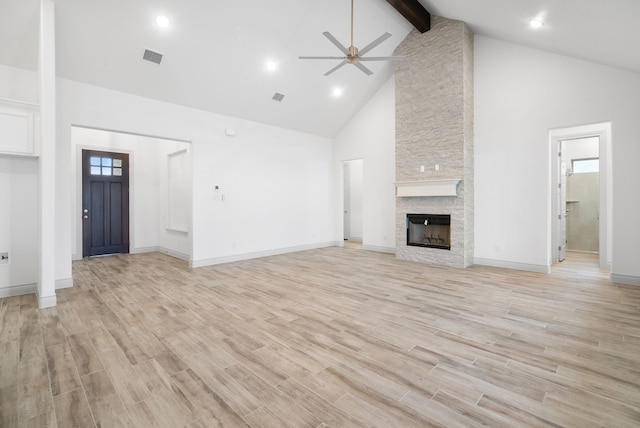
(413, 12)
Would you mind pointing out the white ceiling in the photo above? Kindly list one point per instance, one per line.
(215, 52)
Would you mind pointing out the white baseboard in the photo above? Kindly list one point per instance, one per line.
(512, 265)
(379, 249)
(64, 283)
(46, 301)
(142, 250)
(163, 250)
(17, 290)
(258, 254)
(175, 254)
(625, 279)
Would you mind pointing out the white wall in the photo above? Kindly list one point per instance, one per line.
(520, 94)
(275, 193)
(18, 197)
(18, 222)
(276, 183)
(370, 136)
(581, 148)
(148, 188)
(18, 85)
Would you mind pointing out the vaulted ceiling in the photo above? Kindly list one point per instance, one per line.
(215, 53)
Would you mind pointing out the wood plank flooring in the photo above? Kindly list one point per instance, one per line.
(330, 337)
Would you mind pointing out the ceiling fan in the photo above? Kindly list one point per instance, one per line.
(352, 54)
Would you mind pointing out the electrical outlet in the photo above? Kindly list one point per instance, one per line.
(4, 258)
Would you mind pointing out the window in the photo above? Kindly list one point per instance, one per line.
(105, 166)
(579, 166)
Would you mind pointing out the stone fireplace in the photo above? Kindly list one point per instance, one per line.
(434, 140)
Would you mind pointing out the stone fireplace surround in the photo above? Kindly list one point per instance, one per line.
(434, 137)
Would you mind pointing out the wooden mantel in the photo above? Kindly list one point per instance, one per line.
(407, 189)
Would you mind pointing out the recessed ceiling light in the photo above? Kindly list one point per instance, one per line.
(271, 65)
(337, 92)
(162, 21)
(536, 23)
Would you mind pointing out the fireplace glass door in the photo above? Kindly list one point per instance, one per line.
(429, 230)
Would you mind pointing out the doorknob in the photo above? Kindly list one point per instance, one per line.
(85, 210)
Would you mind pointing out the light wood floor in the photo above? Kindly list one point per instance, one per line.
(330, 337)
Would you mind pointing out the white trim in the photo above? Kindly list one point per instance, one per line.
(172, 253)
(17, 290)
(177, 231)
(512, 265)
(142, 250)
(64, 283)
(427, 188)
(7, 102)
(176, 254)
(47, 301)
(625, 279)
(378, 249)
(258, 254)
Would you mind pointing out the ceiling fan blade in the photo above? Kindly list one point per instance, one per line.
(364, 69)
(375, 43)
(382, 58)
(335, 41)
(335, 68)
(320, 57)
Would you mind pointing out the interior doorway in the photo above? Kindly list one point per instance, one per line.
(159, 192)
(352, 201)
(581, 204)
(581, 160)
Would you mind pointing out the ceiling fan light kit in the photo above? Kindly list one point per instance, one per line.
(352, 55)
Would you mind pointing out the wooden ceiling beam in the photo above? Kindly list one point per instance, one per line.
(414, 12)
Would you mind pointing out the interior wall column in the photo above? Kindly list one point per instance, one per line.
(47, 166)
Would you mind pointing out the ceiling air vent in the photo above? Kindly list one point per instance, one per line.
(277, 96)
(152, 56)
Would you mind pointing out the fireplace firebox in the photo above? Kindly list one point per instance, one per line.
(429, 230)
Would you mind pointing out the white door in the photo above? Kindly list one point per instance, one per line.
(562, 216)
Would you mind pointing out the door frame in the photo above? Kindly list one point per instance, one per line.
(77, 241)
(556, 136)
